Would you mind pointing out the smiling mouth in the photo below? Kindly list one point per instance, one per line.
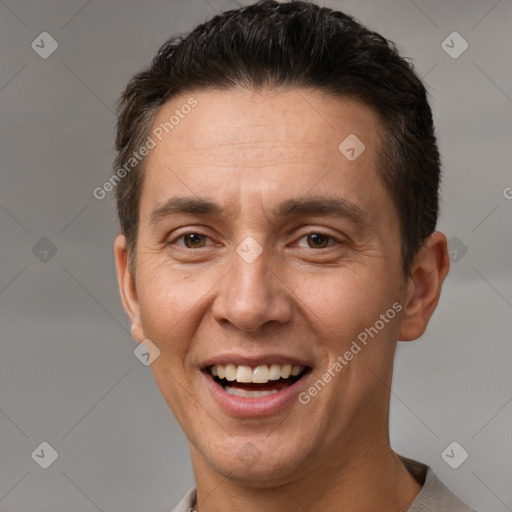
(255, 382)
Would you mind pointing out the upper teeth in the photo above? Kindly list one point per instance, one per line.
(259, 374)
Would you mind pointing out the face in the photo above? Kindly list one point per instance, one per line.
(268, 274)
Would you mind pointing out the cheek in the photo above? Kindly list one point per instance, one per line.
(170, 313)
(168, 303)
(339, 306)
(337, 296)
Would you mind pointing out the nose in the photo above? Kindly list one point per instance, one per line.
(251, 295)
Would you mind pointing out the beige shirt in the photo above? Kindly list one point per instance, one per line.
(433, 497)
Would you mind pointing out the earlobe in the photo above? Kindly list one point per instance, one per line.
(127, 287)
(428, 272)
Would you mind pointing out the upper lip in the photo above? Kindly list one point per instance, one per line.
(253, 361)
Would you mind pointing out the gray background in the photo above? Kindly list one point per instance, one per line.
(68, 375)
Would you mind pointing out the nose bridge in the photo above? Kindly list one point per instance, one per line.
(251, 272)
(251, 296)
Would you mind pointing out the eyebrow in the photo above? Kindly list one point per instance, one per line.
(302, 206)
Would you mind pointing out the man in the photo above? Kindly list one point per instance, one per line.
(278, 198)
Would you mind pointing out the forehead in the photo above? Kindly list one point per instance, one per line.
(299, 117)
(245, 146)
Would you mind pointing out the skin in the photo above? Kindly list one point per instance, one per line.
(249, 151)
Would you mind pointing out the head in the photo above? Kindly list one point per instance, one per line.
(283, 212)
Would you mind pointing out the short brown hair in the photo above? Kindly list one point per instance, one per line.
(294, 44)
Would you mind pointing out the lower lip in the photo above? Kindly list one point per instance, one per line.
(254, 407)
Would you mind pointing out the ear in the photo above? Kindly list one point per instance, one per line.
(127, 287)
(425, 281)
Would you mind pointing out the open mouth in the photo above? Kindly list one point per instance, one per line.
(255, 382)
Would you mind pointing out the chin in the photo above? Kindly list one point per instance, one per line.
(256, 464)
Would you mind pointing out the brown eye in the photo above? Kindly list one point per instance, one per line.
(191, 240)
(317, 240)
(194, 240)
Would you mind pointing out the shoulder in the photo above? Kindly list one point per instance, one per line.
(188, 502)
(434, 495)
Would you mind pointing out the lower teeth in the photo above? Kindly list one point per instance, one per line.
(248, 394)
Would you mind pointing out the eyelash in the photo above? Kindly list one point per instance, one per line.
(330, 237)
